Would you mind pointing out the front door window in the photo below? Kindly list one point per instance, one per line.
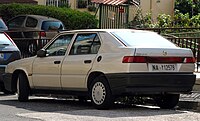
(59, 46)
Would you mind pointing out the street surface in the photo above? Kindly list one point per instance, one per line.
(49, 109)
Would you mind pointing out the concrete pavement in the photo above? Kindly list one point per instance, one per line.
(192, 101)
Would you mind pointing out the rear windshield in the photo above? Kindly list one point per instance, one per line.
(2, 25)
(4, 40)
(142, 39)
(52, 25)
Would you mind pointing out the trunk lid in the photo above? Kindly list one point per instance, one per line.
(164, 52)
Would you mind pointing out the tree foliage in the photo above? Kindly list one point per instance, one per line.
(192, 7)
(163, 20)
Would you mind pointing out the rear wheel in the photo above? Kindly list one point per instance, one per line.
(100, 93)
(23, 89)
(167, 101)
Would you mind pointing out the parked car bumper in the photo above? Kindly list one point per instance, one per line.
(2, 71)
(7, 80)
(150, 83)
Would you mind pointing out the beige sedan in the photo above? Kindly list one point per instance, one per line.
(103, 65)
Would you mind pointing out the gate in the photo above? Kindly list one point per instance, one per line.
(113, 16)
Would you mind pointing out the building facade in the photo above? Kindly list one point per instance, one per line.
(156, 7)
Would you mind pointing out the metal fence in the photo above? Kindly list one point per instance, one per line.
(113, 16)
(28, 46)
(188, 42)
(56, 3)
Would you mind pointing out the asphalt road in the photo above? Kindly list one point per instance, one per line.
(49, 109)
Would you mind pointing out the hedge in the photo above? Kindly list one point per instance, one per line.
(72, 19)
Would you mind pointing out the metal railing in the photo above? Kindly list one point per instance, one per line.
(56, 3)
(29, 46)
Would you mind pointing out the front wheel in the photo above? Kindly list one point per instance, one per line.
(100, 93)
(167, 101)
(23, 89)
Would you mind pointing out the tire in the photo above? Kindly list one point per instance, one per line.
(23, 89)
(100, 93)
(167, 101)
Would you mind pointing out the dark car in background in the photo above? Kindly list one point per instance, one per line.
(28, 26)
(8, 52)
(36, 30)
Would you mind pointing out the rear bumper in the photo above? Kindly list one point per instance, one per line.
(150, 83)
(7, 80)
(2, 71)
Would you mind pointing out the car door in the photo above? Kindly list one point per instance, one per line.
(46, 70)
(78, 63)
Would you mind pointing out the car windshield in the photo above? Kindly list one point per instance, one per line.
(2, 25)
(143, 39)
(4, 40)
(52, 25)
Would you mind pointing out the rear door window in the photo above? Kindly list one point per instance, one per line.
(86, 44)
(52, 25)
(16, 22)
(31, 22)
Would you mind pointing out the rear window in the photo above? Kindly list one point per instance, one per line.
(52, 25)
(2, 25)
(142, 39)
(4, 40)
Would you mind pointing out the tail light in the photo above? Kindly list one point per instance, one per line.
(145, 59)
(190, 60)
(42, 34)
(134, 59)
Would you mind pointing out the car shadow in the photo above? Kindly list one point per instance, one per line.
(75, 107)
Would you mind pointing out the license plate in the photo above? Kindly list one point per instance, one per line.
(163, 67)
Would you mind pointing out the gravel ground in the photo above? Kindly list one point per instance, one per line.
(49, 109)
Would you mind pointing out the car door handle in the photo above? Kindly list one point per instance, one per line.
(87, 61)
(56, 62)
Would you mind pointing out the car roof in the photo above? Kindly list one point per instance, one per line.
(40, 17)
(105, 30)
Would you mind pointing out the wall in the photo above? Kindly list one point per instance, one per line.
(157, 7)
(41, 2)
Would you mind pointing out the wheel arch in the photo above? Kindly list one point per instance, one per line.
(92, 76)
(15, 77)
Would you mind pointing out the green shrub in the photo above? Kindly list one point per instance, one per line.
(164, 20)
(140, 20)
(72, 19)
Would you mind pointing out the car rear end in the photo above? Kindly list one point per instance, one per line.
(51, 28)
(155, 66)
(8, 52)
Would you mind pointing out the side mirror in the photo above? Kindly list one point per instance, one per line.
(41, 53)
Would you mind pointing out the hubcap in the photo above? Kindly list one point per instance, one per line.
(98, 93)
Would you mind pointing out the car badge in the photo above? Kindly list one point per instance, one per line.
(164, 53)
